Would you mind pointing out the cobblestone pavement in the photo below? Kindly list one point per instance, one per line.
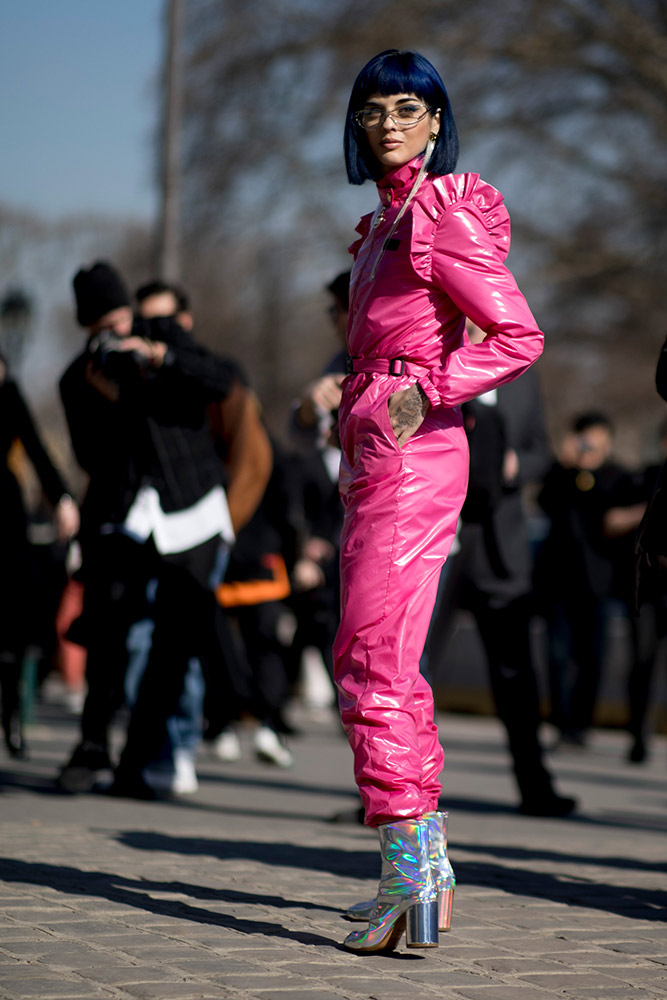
(237, 891)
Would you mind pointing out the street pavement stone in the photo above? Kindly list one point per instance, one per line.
(238, 892)
(302, 994)
(616, 993)
(504, 993)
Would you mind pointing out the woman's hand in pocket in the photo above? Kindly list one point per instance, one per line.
(407, 409)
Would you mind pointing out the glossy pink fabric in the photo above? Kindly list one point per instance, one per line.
(446, 261)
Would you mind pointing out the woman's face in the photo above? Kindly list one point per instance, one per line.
(392, 144)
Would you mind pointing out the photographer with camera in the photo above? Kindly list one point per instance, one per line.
(136, 403)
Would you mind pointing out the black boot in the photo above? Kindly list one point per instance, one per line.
(544, 801)
(10, 679)
(81, 772)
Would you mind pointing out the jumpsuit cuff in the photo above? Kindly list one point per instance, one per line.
(430, 391)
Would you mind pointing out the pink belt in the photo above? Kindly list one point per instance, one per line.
(384, 366)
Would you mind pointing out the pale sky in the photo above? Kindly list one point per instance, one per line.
(78, 105)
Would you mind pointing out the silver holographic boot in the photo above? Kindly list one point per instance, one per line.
(406, 896)
(441, 870)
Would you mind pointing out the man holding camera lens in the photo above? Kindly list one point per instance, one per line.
(136, 403)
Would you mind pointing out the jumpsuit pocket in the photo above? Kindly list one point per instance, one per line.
(384, 422)
(367, 433)
(390, 430)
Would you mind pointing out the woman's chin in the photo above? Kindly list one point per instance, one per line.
(393, 159)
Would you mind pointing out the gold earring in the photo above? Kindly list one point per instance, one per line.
(434, 136)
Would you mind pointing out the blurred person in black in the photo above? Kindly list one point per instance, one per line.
(490, 571)
(315, 578)
(575, 569)
(164, 299)
(316, 585)
(256, 583)
(314, 414)
(17, 594)
(136, 405)
(640, 523)
(240, 437)
(246, 455)
(650, 565)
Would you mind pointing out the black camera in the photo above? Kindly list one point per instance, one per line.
(108, 356)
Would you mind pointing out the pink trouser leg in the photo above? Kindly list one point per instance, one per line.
(402, 507)
(431, 751)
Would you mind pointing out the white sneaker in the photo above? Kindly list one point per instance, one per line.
(179, 780)
(74, 700)
(227, 746)
(269, 748)
(185, 777)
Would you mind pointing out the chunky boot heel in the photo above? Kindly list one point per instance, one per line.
(421, 925)
(406, 898)
(445, 906)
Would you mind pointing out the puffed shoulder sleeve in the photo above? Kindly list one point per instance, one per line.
(471, 242)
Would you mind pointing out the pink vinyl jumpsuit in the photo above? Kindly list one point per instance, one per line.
(445, 261)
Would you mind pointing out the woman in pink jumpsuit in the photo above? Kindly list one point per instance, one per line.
(431, 255)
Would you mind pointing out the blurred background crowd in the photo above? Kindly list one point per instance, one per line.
(562, 106)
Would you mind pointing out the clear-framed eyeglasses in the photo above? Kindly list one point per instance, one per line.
(406, 116)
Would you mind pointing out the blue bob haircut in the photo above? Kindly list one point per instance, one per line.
(398, 72)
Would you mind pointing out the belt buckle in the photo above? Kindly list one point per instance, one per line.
(401, 369)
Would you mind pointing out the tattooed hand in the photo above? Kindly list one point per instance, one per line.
(407, 409)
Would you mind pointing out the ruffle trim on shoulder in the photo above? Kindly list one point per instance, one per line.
(449, 192)
(363, 229)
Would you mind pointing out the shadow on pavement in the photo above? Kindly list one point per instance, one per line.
(624, 901)
(349, 864)
(28, 781)
(634, 902)
(626, 777)
(136, 893)
(601, 861)
(621, 820)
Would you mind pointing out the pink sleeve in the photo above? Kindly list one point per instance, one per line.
(469, 267)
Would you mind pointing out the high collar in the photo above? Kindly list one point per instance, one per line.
(395, 186)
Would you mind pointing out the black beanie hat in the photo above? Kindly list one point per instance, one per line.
(98, 290)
